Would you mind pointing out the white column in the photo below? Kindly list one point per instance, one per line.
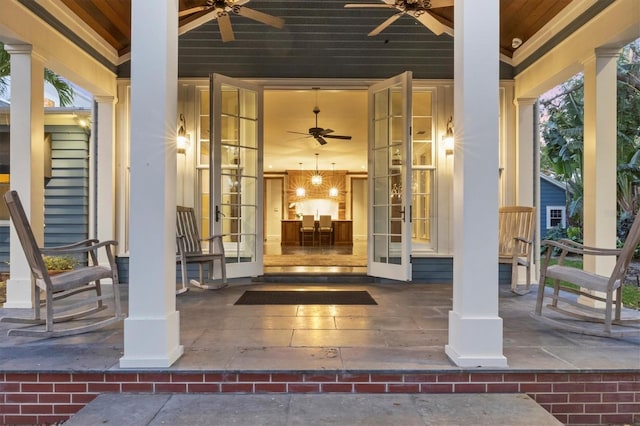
(600, 142)
(27, 163)
(526, 171)
(525, 154)
(475, 330)
(152, 330)
(105, 172)
(600, 151)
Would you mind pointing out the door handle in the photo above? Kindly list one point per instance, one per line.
(218, 214)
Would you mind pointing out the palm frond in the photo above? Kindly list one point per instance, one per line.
(65, 91)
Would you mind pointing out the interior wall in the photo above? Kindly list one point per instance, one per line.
(273, 208)
(359, 208)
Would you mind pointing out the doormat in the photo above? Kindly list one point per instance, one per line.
(305, 298)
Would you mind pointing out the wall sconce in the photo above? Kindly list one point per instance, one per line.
(447, 141)
(182, 141)
(83, 121)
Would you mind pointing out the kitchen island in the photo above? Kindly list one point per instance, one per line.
(342, 234)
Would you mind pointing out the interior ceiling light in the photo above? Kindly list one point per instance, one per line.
(316, 179)
(333, 191)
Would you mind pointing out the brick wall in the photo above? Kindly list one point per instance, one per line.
(572, 397)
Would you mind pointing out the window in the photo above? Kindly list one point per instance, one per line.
(556, 216)
(423, 169)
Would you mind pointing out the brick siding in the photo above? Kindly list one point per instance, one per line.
(572, 397)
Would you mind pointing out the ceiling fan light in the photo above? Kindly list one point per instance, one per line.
(300, 192)
(333, 192)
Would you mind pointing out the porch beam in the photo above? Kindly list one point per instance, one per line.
(475, 330)
(27, 156)
(152, 330)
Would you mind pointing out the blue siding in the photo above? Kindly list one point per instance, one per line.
(66, 195)
(123, 270)
(66, 205)
(4, 248)
(550, 195)
(425, 270)
(439, 270)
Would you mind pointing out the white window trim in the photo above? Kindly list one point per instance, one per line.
(563, 209)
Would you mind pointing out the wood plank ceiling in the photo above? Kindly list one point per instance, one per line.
(320, 38)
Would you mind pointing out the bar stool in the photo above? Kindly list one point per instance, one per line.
(308, 226)
(325, 227)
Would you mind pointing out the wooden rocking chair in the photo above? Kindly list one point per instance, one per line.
(64, 284)
(566, 312)
(190, 251)
(515, 242)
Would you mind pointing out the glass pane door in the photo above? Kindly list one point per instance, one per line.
(389, 236)
(236, 208)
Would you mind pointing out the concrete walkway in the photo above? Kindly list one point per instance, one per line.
(312, 410)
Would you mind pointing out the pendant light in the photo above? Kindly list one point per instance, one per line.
(300, 191)
(333, 191)
(316, 178)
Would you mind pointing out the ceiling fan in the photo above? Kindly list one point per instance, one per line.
(220, 10)
(319, 133)
(419, 9)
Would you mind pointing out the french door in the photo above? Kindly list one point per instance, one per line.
(389, 156)
(236, 162)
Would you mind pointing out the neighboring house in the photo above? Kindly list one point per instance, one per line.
(553, 204)
(66, 196)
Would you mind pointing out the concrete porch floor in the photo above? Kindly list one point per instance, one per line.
(396, 346)
(406, 330)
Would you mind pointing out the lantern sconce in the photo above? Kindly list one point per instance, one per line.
(448, 141)
(182, 141)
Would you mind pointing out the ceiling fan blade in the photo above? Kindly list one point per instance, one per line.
(435, 26)
(271, 20)
(321, 140)
(338, 137)
(369, 5)
(191, 10)
(298, 133)
(239, 2)
(224, 23)
(441, 3)
(325, 132)
(390, 20)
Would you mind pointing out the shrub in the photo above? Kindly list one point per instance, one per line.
(59, 263)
